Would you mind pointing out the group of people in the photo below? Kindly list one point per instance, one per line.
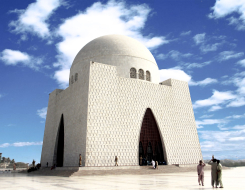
(143, 161)
(216, 172)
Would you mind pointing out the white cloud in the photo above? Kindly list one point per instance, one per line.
(239, 127)
(226, 55)
(223, 8)
(221, 123)
(203, 82)
(185, 33)
(4, 145)
(221, 136)
(236, 116)
(174, 74)
(199, 38)
(42, 112)
(210, 43)
(96, 21)
(242, 62)
(20, 144)
(211, 121)
(216, 99)
(239, 81)
(240, 101)
(14, 57)
(215, 108)
(199, 127)
(175, 55)
(162, 56)
(34, 18)
(206, 116)
(196, 65)
(236, 139)
(210, 47)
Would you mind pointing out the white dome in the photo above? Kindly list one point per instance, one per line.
(121, 51)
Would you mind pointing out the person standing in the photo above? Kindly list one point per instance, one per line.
(33, 163)
(80, 160)
(116, 159)
(213, 164)
(14, 166)
(219, 172)
(156, 165)
(47, 164)
(200, 172)
(141, 160)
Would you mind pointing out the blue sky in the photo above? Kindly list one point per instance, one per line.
(198, 41)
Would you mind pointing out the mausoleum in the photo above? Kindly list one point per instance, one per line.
(115, 105)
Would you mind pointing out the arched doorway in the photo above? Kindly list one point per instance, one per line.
(150, 145)
(59, 147)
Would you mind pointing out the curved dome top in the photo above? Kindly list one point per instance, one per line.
(114, 45)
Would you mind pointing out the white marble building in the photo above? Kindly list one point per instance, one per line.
(115, 105)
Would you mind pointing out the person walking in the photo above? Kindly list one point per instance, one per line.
(80, 160)
(219, 172)
(153, 163)
(116, 159)
(200, 172)
(213, 164)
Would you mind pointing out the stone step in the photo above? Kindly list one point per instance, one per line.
(116, 170)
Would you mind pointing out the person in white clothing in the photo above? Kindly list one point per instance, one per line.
(153, 163)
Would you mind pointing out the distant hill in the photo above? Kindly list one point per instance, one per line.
(230, 163)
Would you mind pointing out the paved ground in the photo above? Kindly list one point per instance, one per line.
(143, 179)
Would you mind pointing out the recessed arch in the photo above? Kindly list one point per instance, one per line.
(141, 74)
(151, 145)
(133, 73)
(148, 76)
(76, 77)
(59, 146)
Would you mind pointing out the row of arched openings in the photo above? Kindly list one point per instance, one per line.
(74, 79)
(141, 74)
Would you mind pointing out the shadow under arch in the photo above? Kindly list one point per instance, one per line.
(59, 145)
(151, 145)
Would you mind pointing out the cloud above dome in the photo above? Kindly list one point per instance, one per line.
(96, 21)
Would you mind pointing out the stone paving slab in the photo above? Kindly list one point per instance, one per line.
(232, 179)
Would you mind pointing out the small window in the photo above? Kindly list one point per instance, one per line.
(76, 76)
(72, 80)
(133, 73)
(141, 74)
(148, 76)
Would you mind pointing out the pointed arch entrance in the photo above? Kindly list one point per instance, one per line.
(150, 144)
(59, 147)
